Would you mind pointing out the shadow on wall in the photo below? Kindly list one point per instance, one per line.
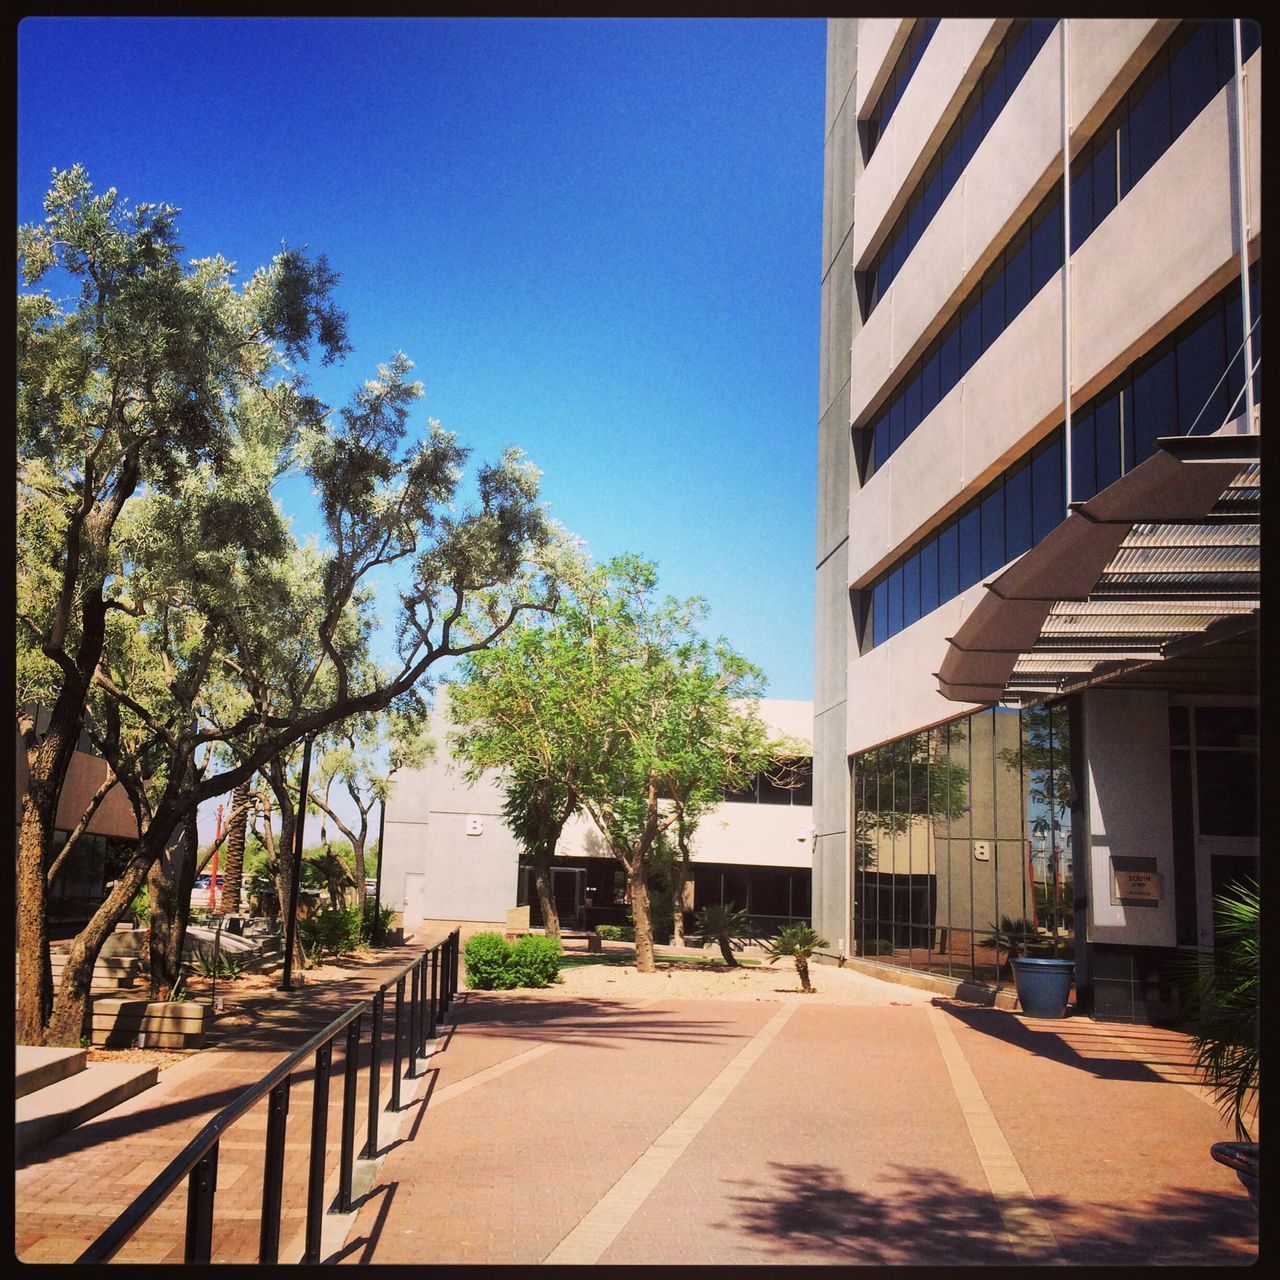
(927, 1217)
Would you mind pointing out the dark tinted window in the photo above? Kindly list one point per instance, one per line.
(894, 610)
(929, 598)
(1017, 274)
(929, 383)
(912, 398)
(970, 333)
(1149, 128)
(1103, 168)
(1201, 359)
(992, 305)
(1193, 76)
(897, 426)
(1083, 478)
(1155, 406)
(880, 612)
(992, 518)
(1081, 204)
(1046, 245)
(949, 359)
(1047, 500)
(1106, 423)
(948, 562)
(970, 549)
(910, 590)
(1017, 512)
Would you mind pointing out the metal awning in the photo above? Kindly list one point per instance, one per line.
(1159, 564)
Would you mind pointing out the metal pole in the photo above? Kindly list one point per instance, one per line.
(1242, 217)
(378, 935)
(1066, 264)
(315, 1171)
(375, 1075)
(291, 921)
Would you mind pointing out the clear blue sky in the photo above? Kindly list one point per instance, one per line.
(597, 239)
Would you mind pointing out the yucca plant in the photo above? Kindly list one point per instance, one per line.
(1223, 1006)
(798, 941)
(726, 926)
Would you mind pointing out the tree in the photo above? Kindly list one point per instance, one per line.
(165, 404)
(800, 942)
(724, 923)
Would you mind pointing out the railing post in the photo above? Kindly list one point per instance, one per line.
(422, 1005)
(273, 1173)
(315, 1173)
(394, 1104)
(435, 988)
(202, 1183)
(412, 1070)
(375, 1073)
(348, 1152)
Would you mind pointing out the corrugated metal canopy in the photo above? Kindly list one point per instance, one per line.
(1160, 564)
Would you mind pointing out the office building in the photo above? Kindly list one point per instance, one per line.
(1036, 713)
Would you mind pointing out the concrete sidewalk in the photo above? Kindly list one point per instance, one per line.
(702, 1132)
(661, 1130)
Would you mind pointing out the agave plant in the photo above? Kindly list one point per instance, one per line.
(726, 925)
(798, 941)
(1223, 1007)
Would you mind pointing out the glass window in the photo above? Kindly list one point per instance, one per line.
(1106, 422)
(948, 562)
(1255, 309)
(932, 190)
(897, 424)
(1019, 57)
(1046, 244)
(929, 382)
(1201, 362)
(911, 414)
(970, 333)
(992, 509)
(881, 451)
(1017, 275)
(929, 577)
(952, 159)
(910, 590)
(1127, 443)
(1227, 727)
(1017, 512)
(1149, 127)
(970, 130)
(992, 304)
(1047, 493)
(915, 223)
(1193, 76)
(1155, 407)
(1179, 727)
(1081, 202)
(880, 612)
(970, 549)
(1084, 480)
(895, 602)
(1227, 789)
(949, 359)
(993, 97)
(1103, 168)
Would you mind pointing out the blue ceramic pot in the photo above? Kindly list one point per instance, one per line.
(1043, 985)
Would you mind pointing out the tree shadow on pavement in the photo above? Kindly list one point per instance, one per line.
(928, 1217)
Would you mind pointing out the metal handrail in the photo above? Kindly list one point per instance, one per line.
(198, 1160)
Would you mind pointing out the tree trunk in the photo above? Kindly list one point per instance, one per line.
(640, 913)
(677, 898)
(237, 827)
(285, 860)
(542, 880)
(726, 950)
(170, 883)
(802, 968)
(47, 766)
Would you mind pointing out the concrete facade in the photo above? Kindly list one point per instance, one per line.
(451, 857)
(1168, 248)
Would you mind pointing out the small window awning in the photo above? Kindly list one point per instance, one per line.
(1159, 564)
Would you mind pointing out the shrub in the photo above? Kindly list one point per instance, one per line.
(722, 923)
(227, 966)
(139, 909)
(385, 914)
(615, 933)
(488, 961)
(535, 961)
(332, 930)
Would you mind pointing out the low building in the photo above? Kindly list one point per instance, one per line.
(451, 860)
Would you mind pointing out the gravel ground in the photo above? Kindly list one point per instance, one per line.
(685, 981)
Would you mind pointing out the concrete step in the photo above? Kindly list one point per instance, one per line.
(35, 1067)
(43, 1115)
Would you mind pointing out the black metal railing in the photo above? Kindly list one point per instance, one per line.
(433, 984)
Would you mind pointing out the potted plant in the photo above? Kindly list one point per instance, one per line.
(1041, 977)
(1222, 1014)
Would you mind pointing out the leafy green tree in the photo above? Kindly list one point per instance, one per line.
(163, 604)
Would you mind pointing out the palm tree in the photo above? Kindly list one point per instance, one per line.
(799, 941)
(726, 925)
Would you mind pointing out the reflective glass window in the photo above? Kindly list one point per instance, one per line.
(1017, 275)
(911, 413)
(1149, 127)
(929, 577)
(949, 359)
(1103, 178)
(970, 549)
(1081, 203)
(1047, 494)
(1155, 406)
(1046, 244)
(929, 382)
(970, 333)
(1106, 422)
(932, 191)
(897, 423)
(1084, 481)
(910, 590)
(894, 611)
(970, 131)
(882, 441)
(992, 518)
(880, 612)
(1017, 512)
(952, 159)
(1201, 362)
(948, 562)
(1193, 75)
(992, 92)
(992, 304)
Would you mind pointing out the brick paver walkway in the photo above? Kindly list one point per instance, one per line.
(634, 1131)
(714, 1132)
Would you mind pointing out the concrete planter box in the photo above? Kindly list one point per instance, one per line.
(163, 1024)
